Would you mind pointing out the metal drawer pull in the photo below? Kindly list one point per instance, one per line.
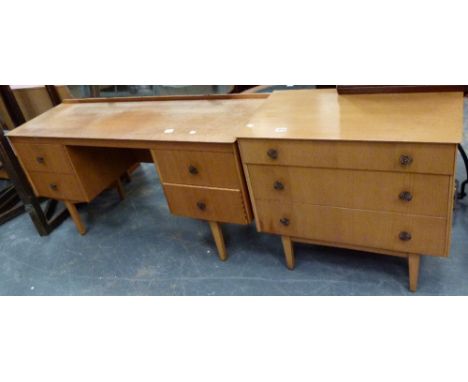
(278, 185)
(201, 206)
(193, 170)
(40, 160)
(284, 221)
(405, 236)
(272, 153)
(406, 160)
(53, 187)
(406, 196)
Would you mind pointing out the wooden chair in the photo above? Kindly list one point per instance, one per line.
(18, 195)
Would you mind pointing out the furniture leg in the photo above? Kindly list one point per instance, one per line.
(288, 251)
(413, 266)
(76, 217)
(462, 192)
(120, 189)
(219, 240)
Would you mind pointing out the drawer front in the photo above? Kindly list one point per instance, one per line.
(418, 194)
(199, 168)
(378, 230)
(44, 157)
(57, 186)
(206, 203)
(399, 157)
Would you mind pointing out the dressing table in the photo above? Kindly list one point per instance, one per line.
(80, 148)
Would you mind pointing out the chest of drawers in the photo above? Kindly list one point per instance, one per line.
(350, 172)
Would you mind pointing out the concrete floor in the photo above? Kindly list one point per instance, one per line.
(136, 247)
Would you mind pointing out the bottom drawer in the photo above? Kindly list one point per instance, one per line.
(57, 186)
(380, 230)
(221, 205)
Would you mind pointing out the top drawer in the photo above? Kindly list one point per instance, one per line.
(405, 157)
(44, 157)
(199, 168)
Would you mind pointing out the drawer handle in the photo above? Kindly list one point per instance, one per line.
(284, 221)
(40, 160)
(272, 153)
(405, 236)
(201, 206)
(53, 187)
(193, 170)
(278, 185)
(406, 160)
(406, 196)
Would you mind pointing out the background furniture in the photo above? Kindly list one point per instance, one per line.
(373, 173)
(31, 100)
(95, 91)
(18, 195)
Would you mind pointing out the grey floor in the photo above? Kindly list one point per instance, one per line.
(136, 247)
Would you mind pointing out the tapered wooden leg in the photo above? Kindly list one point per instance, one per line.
(288, 251)
(219, 240)
(413, 266)
(120, 189)
(76, 217)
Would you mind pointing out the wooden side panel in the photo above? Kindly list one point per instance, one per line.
(99, 168)
(343, 226)
(214, 204)
(425, 158)
(369, 190)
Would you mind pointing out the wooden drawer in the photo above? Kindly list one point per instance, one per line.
(199, 168)
(341, 227)
(418, 194)
(213, 204)
(419, 158)
(44, 157)
(57, 186)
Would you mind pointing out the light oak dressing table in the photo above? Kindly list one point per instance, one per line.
(78, 149)
(366, 172)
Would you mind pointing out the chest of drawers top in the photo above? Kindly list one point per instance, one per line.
(326, 115)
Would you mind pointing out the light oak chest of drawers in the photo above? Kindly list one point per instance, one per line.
(372, 173)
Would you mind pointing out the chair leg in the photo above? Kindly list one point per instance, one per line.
(462, 192)
(219, 240)
(76, 217)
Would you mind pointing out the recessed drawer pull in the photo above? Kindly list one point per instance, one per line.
(278, 185)
(406, 196)
(40, 160)
(405, 236)
(272, 153)
(201, 206)
(406, 160)
(53, 187)
(284, 221)
(193, 170)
